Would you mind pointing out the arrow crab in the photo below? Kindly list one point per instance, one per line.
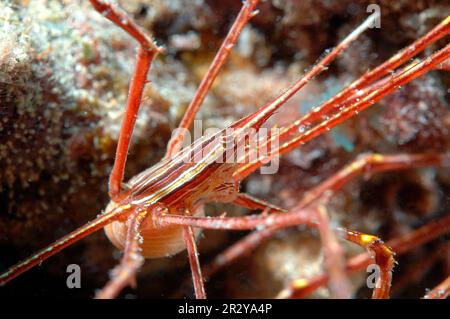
(159, 212)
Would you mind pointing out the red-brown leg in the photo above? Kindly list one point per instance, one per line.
(333, 251)
(246, 13)
(197, 277)
(192, 251)
(370, 164)
(124, 274)
(334, 256)
(363, 86)
(399, 245)
(146, 53)
(359, 88)
(257, 118)
(161, 217)
(413, 71)
(438, 32)
(441, 291)
(253, 203)
(98, 223)
(365, 164)
(306, 217)
(383, 256)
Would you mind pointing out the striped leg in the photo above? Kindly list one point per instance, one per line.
(252, 203)
(146, 53)
(246, 13)
(89, 228)
(441, 291)
(383, 257)
(197, 277)
(370, 163)
(132, 259)
(302, 287)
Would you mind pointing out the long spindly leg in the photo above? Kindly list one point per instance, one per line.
(351, 91)
(303, 217)
(336, 262)
(256, 119)
(383, 256)
(246, 13)
(438, 32)
(146, 53)
(92, 226)
(411, 72)
(303, 287)
(351, 94)
(384, 260)
(363, 85)
(371, 164)
(441, 291)
(197, 277)
(334, 256)
(276, 137)
(306, 217)
(252, 203)
(124, 274)
(368, 164)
